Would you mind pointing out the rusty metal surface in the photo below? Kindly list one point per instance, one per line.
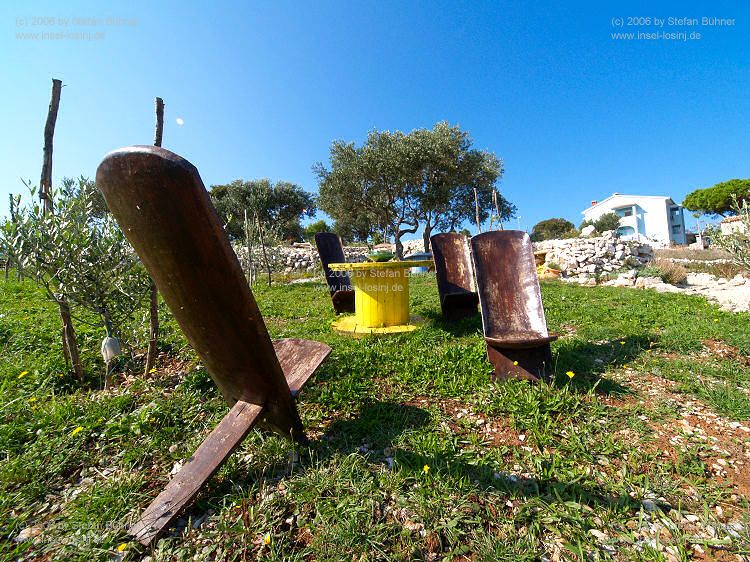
(330, 251)
(161, 204)
(531, 364)
(510, 300)
(509, 294)
(455, 274)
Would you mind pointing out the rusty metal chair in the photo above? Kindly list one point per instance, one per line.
(515, 330)
(161, 204)
(455, 275)
(331, 250)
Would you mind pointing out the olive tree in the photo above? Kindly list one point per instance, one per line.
(397, 182)
(79, 256)
(552, 229)
(375, 181)
(281, 204)
(736, 243)
(455, 182)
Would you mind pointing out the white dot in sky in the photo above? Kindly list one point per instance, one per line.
(180, 121)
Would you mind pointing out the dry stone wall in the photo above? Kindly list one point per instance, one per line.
(304, 258)
(585, 258)
(288, 259)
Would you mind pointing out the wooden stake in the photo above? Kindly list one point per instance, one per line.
(45, 183)
(70, 346)
(497, 208)
(153, 314)
(159, 121)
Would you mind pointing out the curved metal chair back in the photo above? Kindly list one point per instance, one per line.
(515, 329)
(330, 251)
(509, 293)
(455, 274)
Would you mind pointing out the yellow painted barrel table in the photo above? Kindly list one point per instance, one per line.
(381, 297)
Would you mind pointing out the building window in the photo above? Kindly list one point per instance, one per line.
(676, 229)
(626, 232)
(674, 214)
(624, 212)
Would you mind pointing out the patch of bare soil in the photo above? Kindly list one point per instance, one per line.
(567, 330)
(168, 370)
(722, 350)
(721, 444)
(698, 439)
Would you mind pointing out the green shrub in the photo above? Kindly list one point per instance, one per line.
(649, 271)
(737, 244)
(608, 221)
(669, 271)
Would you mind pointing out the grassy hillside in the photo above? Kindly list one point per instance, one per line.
(414, 454)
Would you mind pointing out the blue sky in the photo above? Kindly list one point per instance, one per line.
(264, 87)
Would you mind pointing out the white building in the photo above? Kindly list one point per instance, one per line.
(731, 225)
(648, 218)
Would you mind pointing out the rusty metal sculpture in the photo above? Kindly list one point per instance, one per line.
(455, 275)
(331, 250)
(161, 204)
(515, 330)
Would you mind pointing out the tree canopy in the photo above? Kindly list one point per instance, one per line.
(396, 182)
(551, 229)
(449, 172)
(314, 228)
(371, 182)
(281, 204)
(718, 199)
(606, 222)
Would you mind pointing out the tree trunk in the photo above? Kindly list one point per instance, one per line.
(249, 248)
(153, 316)
(397, 238)
(153, 322)
(45, 183)
(426, 236)
(399, 248)
(66, 351)
(69, 338)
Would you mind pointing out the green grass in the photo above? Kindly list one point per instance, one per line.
(414, 454)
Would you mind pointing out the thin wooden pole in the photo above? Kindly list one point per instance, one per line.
(159, 121)
(497, 207)
(70, 346)
(45, 183)
(153, 314)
